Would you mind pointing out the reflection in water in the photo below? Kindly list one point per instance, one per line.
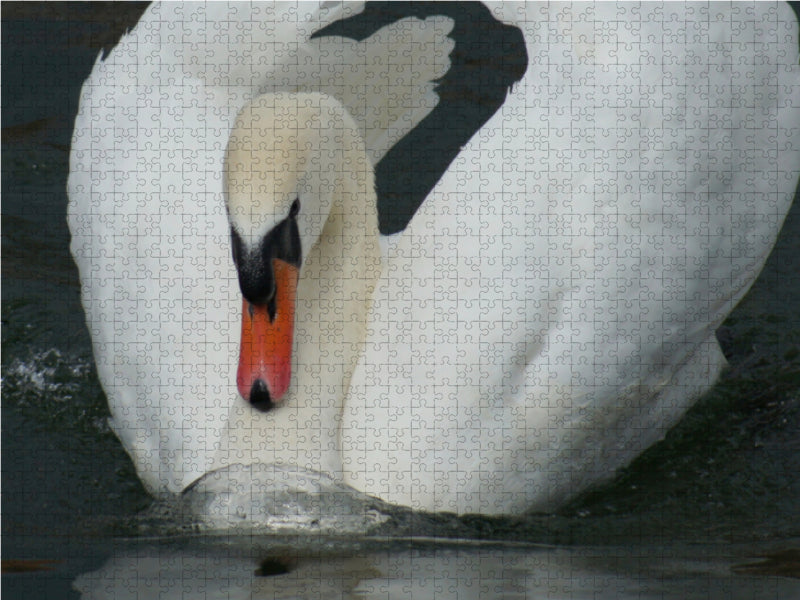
(419, 570)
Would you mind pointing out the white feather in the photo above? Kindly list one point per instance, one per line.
(548, 313)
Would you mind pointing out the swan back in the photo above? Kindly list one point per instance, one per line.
(563, 297)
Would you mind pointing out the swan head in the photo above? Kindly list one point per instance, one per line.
(278, 164)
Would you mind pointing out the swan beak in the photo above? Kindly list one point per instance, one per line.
(265, 355)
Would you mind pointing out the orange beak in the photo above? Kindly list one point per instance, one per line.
(266, 350)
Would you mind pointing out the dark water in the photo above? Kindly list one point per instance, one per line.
(711, 512)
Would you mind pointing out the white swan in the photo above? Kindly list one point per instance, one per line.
(548, 312)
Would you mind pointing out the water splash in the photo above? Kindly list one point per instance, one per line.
(46, 373)
(56, 389)
(275, 498)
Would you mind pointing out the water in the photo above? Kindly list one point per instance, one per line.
(711, 512)
(322, 568)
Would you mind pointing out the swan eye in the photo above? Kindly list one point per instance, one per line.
(295, 208)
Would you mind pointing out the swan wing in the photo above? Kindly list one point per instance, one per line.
(550, 310)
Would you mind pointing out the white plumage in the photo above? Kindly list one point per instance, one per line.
(548, 313)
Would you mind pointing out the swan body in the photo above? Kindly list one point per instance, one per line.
(544, 313)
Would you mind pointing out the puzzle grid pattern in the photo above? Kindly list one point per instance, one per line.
(560, 136)
(539, 239)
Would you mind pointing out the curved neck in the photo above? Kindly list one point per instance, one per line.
(341, 265)
(286, 147)
(341, 270)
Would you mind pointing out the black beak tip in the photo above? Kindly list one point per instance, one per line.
(259, 397)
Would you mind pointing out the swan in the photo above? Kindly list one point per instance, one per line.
(459, 258)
